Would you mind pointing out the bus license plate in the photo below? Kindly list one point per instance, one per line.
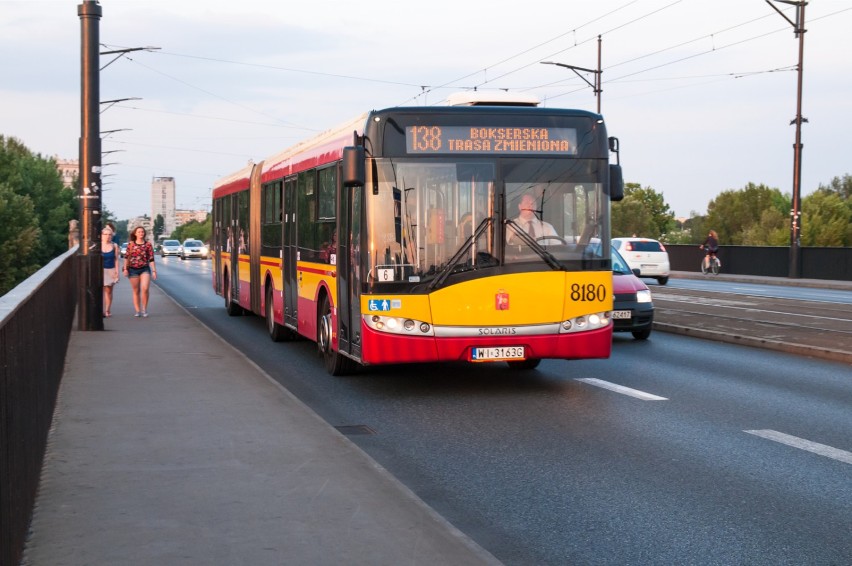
(620, 315)
(497, 353)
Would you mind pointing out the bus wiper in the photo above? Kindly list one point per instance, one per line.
(536, 247)
(461, 253)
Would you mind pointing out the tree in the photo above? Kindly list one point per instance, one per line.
(159, 226)
(19, 233)
(773, 229)
(36, 208)
(841, 186)
(195, 230)
(643, 212)
(734, 212)
(826, 219)
(32, 175)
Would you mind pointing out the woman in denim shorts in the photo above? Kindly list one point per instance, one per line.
(139, 267)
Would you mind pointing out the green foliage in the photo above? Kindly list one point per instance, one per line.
(773, 229)
(36, 211)
(841, 186)
(159, 226)
(643, 212)
(732, 213)
(195, 230)
(826, 219)
(19, 234)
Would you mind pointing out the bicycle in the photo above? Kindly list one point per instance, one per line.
(713, 265)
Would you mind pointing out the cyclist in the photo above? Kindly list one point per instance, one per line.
(710, 247)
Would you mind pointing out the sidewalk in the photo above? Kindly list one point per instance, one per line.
(168, 447)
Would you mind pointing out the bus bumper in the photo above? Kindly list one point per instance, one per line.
(381, 348)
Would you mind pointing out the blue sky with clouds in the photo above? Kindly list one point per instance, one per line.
(701, 94)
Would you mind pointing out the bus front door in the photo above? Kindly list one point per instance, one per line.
(348, 272)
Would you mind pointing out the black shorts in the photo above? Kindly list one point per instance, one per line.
(137, 271)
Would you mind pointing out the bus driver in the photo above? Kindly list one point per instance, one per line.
(528, 221)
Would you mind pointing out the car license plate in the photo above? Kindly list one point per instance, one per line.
(621, 315)
(497, 353)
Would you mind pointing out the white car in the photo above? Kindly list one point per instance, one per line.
(648, 256)
(194, 248)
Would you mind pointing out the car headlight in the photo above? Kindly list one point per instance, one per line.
(643, 296)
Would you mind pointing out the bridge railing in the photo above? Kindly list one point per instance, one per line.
(834, 264)
(36, 319)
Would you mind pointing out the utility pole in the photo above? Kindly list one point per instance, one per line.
(90, 272)
(596, 86)
(796, 210)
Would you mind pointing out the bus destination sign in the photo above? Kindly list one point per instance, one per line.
(483, 139)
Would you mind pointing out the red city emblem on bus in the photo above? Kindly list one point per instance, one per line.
(501, 300)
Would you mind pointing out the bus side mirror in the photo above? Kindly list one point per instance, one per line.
(616, 183)
(354, 174)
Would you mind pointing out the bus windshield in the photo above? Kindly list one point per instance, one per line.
(430, 217)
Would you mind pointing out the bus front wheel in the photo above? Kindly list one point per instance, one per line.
(335, 363)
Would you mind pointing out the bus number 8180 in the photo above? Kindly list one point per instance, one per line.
(587, 292)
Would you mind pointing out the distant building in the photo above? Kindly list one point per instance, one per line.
(184, 216)
(163, 202)
(69, 170)
(143, 221)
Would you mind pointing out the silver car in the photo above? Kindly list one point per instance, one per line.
(194, 248)
(170, 247)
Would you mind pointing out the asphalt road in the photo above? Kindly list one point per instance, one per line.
(675, 450)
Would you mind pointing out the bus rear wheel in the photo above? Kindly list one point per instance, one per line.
(232, 308)
(276, 332)
(335, 363)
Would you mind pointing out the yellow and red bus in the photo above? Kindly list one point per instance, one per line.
(398, 237)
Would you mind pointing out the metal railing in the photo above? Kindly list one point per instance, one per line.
(36, 319)
(833, 264)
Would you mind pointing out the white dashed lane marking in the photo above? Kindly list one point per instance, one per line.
(621, 389)
(802, 444)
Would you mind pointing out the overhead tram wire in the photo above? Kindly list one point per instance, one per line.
(592, 38)
(707, 52)
(573, 31)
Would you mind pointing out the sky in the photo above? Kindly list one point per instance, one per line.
(700, 94)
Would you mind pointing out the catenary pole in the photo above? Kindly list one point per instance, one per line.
(796, 208)
(89, 258)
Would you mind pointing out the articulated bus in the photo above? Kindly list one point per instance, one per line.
(397, 238)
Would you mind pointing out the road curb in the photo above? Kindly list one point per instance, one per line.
(822, 353)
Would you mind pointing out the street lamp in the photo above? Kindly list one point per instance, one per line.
(596, 87)
(795, 212)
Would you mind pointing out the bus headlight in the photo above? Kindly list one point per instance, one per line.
(584, 323)
(399, 325)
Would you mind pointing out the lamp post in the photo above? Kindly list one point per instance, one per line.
(795, 211)
(90, 271)
(596, 87)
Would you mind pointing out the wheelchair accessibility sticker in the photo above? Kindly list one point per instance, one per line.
(383, 304)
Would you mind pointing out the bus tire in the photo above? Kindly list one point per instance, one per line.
(335, 363)
(232, 308)
(276, 332)
(529, 363)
